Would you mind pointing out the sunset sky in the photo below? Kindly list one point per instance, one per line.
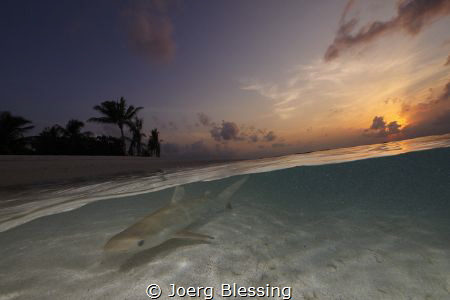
(234, 78)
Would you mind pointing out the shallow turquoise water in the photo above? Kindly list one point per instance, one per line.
(376, 228)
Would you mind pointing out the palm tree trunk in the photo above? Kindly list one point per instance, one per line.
(131, 148)
(122, 137)
(139, 148)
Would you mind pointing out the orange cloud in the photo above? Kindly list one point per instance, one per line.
(429, 118)
(150, 31)
(412, 16)
(380, 128)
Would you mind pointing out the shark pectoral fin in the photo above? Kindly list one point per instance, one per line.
(178, 194)
(186, 234)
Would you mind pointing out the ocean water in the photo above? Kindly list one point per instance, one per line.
(368, 222)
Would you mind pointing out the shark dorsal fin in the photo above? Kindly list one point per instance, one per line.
(178, 194)
(230, 190)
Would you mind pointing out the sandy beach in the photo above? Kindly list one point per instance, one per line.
(20, 170)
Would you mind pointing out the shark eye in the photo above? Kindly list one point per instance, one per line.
(140, 243)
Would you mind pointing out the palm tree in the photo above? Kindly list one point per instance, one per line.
(116, 112)
(51, 141)
(12, 129)
(154, 143)
(137, 135)
(75, 140)
(73, 129)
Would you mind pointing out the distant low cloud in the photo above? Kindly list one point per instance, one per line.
(231, 131)
(204, 119)
(227, 131)
(196, 149)
(171, 148)
(393, 127)
(157, 122)
(253, 138)
(279, 145)
(270, 136)
(412, 16)
(380, 128)
(150, 30)
(378, 123)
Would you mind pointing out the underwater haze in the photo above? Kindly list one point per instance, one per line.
(368, 222)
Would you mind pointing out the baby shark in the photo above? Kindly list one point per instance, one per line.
(170, 222)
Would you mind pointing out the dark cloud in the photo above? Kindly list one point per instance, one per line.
(445, 96)
(270, 136)
(231, 131)
(378, 123)
(216, 133)
(412, 16)
(380, 128)
(150, 30)
(448, 61)
(227, 131)
(393, 127)
(440, 124)
(392, 100)
(346, 10)
(204, 119)
(253, 138)
(172, 125)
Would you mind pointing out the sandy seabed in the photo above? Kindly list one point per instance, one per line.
(335, 254)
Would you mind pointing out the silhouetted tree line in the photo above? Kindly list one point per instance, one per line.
(72, 140)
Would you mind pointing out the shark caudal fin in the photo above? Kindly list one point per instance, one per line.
(226, 194)
(178, 194)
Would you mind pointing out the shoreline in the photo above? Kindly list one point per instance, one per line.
(24, 171)
(25, 203)
(20, 171)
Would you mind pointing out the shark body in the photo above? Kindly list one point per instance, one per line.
(169, 222)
